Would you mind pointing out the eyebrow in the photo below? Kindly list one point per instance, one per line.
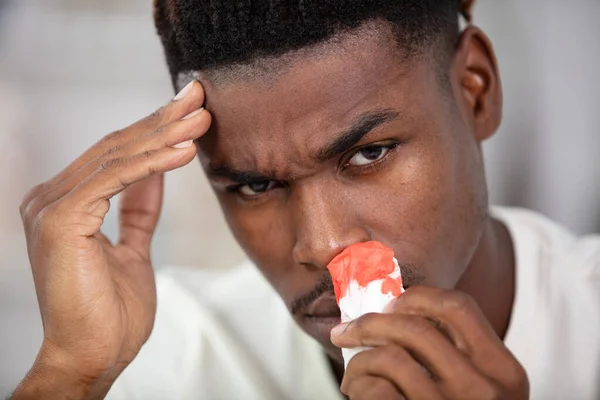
(361, 126)
(243, 177)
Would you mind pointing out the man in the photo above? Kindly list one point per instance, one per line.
(319, 125)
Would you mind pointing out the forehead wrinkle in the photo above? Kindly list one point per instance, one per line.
(279, 162)
(296, 156)
(290, 162)
(283, 145)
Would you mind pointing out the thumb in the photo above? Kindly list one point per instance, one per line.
(139, 210)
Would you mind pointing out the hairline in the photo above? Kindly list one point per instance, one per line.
(267, 68)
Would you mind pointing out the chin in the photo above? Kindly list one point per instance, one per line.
(319, 329)
(335, 353)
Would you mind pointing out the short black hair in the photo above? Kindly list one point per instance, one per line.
(209, 34)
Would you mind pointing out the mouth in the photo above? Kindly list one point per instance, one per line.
(323, 306)
(321, 316)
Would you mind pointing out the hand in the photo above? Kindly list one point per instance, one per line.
(429, 344)
(97, 299)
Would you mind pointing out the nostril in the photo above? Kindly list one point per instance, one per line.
(317, 255)
(311, 267)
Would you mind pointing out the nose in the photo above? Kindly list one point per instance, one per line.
(325, 222)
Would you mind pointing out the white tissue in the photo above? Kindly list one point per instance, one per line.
(361, 300)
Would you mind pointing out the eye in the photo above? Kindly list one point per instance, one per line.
(368, 155)
(256, 188)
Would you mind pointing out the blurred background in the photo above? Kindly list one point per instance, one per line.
(72, 71)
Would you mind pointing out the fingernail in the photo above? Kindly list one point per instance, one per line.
(184, 91)
(183, 145)
(339, 329)
(193, 113)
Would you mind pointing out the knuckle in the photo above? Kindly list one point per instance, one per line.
(113, 139)
(146, 157)
(417, 326)
(410, 298)
(110, 165)
(156, 116)
(112, 151)
(31, 195)
(148, 154)
(160, 131)
(31, 206)
(362, 324)
(457, 302)
(30, 210)
(108, 139)
(48, 219)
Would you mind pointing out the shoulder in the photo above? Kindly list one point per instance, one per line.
(556, 270)
(556, 305)
(535, 235)
(197, 345)
(215, 327)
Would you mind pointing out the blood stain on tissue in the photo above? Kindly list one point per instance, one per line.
(391, 286)
(364, 263)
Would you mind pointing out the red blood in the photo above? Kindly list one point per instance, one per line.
(363, 262)
(391, 286)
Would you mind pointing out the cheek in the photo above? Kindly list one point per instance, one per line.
(264, 233)
(408, 204)
(427, 206)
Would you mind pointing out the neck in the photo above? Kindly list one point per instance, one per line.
(490, 276)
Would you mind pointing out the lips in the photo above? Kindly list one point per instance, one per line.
(319, 318)
(324, 306)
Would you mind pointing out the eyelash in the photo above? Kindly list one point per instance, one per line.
(375, 165)
(236, 188)
(356, 170)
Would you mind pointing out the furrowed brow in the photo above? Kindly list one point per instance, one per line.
(361, 126)
(242, 177)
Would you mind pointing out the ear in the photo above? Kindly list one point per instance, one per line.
(477, 82)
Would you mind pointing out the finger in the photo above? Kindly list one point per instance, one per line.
(456, 313)
(190, 127)
(415, 333)
(116, 175)
(459, 316)
(139, 211)
(192, 99)
(111, 145)
(395, 365)
(370, 387)
(189, 99)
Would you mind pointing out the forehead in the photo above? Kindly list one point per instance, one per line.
(292, 106)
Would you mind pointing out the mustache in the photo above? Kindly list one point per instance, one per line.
(323, 285)
(410, 277)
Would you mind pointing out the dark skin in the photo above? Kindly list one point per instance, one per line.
(294, 209)
(351, 145)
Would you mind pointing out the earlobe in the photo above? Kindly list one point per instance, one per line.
(480, 90)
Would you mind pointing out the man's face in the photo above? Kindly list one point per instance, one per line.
(348, 145)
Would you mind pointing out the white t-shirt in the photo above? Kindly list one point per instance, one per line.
(227, 335)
